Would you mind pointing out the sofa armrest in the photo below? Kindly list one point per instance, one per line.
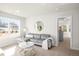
(53, 40)
(46, 44)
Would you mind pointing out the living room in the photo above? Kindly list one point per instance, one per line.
(35, 25)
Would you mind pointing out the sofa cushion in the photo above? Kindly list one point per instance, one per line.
(36, 40)
(36, 36)
(28, 35)
(44, 36)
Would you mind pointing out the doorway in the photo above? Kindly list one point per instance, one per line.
(64, 31)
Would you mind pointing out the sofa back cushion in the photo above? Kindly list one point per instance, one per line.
(44, 36)
(29, 35)
(36, 36)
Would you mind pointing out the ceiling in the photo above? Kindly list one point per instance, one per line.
(29, 9)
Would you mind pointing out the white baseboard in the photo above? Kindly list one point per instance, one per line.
(74, 48)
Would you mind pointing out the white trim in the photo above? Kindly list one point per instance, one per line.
(71, 29)
(74, 48)
(71, 32)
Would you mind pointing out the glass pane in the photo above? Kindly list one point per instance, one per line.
(9, 26)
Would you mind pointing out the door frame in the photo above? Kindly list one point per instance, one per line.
(71, 21)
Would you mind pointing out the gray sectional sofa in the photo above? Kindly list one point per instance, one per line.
(39, 39)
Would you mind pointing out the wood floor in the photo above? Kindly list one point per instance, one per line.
(62, 50)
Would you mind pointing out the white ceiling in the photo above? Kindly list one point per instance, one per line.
(28, 9)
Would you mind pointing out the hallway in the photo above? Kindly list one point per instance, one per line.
(65, 43)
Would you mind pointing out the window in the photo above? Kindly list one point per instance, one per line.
(9, 26)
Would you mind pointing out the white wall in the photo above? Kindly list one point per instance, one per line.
(75, 40)
(49, 22)
(50, 25)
